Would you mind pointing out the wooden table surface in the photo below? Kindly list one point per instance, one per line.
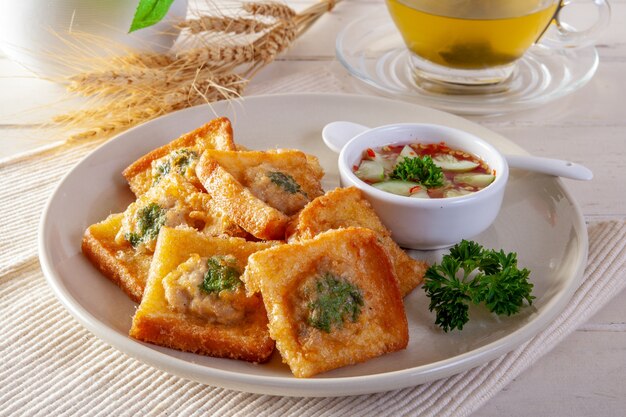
(584, 375)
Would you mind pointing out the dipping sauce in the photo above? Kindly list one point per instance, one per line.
(419, 170)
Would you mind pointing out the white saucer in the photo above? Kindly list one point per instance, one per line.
(373, 51)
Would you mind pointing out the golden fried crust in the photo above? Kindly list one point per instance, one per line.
(312, 160)
(119, 263)
(238, 203)
(314, 165)
(287, 276)
(216, 134)
(203, 214)
(341, 207)
(157, 321)
(304, 169)
(346, 207)
(106, 247)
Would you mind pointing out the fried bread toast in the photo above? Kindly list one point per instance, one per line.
(195, 302)
(120, 263)
(332, 300)
(180, 155)
(346, 207)
(122, 245)
(259, 190)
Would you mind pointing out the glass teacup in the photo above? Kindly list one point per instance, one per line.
(474, 43)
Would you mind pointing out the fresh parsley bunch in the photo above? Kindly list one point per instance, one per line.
(473, 274)
(420, 169)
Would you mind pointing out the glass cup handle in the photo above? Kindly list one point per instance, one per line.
(565, 36)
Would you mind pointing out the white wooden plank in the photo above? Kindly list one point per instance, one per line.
(602, 149)
(599, 103)
(612, 317)
(26, 99)
(582, 376)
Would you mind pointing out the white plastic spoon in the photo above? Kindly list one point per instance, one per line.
(337, 134)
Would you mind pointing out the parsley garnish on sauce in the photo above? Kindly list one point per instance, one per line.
(335, 301)
(420, 169)
(149, 221)
(472, 274)
(285, 181)
(222, 275)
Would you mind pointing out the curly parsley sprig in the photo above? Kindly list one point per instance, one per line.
(473, 274)
(420, 169)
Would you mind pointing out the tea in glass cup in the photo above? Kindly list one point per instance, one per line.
(477, 42)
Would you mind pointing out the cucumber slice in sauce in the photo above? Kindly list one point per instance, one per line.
(450, 163)
(422, 193)
(476, 180)
(455, 193)
(397, 187)
(370, 171)
(407, 152)
(385, 162)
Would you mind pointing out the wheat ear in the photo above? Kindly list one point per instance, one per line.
(133, 88)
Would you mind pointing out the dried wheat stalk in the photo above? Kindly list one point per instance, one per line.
(223, 24)
(276, 10)
(126, 90)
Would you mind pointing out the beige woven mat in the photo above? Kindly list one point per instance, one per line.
(51, 366)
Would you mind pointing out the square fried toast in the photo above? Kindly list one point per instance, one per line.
(194, 300)
(346, 207)
(260, 190)
(332, 300)
(120, 263)
(122, 245)
(179, 156)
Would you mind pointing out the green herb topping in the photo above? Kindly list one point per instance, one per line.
(149, 221)
(285, 181)
(182, 158)
(335, 301)
(179, 160)
(420, 169)
(488, 277)
(222, 275)
(161, 170)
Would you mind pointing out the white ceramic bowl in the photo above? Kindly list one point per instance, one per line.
(426, 223)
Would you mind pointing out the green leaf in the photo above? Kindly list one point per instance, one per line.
(448, 294)
(149, 12)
